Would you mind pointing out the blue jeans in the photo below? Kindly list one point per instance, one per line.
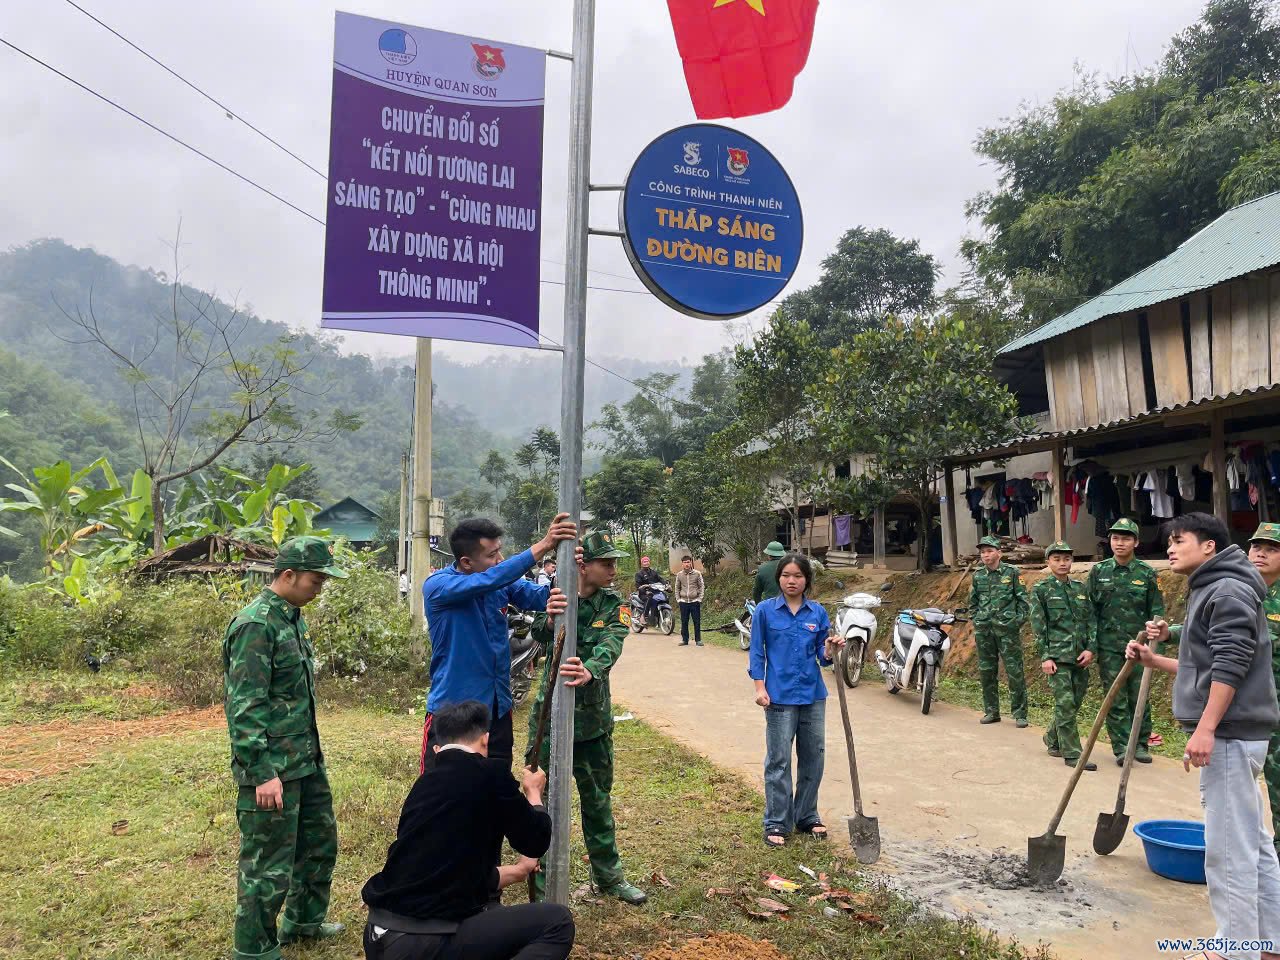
(806, 726)
(1240, 860)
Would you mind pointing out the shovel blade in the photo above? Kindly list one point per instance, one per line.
(1046, 856)
(1109, 832)
(864, 835)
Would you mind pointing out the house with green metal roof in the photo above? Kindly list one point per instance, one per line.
(351, 519)
(1175, 366)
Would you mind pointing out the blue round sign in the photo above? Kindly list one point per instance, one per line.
(711, 221)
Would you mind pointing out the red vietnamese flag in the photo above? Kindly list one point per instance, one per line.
(741, 57)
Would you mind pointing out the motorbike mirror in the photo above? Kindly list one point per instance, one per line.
(960, 610)
(839, 584)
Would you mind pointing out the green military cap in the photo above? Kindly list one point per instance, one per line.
(600, 546)
(775, 549)
(990, 542)
(1059, 546)
(1267, 531)
(1124, 525)
(309, 553)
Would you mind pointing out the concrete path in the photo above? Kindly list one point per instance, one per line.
(949, 794)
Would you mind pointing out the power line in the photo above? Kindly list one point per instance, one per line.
(216, 102)
(164, 133)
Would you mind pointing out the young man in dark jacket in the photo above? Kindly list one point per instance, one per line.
(432, 899)
(1224, 695)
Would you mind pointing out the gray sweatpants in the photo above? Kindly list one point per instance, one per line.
(1240, 859)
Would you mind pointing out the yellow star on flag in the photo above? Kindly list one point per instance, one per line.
(756, 5)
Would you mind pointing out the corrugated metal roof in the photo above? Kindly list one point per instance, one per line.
(1036, 442)
(1244, 239)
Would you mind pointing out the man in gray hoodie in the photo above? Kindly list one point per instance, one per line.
(1224, 695)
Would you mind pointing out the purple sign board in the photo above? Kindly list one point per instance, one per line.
(435, 185)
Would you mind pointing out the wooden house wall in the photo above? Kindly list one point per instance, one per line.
(1210, 343)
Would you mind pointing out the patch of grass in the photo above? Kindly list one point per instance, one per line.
(166, 887)
(41, 696)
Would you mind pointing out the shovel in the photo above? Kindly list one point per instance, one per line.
(1112, 826)
(864, 831)
(1047, 854)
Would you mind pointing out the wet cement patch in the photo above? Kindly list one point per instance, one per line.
(994, 888)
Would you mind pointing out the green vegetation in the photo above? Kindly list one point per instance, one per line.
(162, 883)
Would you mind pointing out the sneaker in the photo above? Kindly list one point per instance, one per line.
(1021, 722)
(990, 718)
(699, 643)
(326, 931)
(1142, 756)
(1072, 761)
(626, 892)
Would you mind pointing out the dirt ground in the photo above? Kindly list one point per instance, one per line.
(956, 802)
(719, 946)
(30, 751)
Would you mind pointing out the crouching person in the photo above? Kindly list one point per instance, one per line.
(1224, 696)
(432, 899)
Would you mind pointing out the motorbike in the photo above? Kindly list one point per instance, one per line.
(743, 623)
(658, 599)
(920, 643)
(526, 651)
(857, 624)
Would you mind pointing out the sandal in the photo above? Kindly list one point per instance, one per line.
(816, 830)
(769, 839)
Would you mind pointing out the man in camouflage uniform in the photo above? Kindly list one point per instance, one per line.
(603, 624)
(765, 584)
(1264, 554)
(288, 835)
(998, 607)
(1062, 622)
(1123, 595)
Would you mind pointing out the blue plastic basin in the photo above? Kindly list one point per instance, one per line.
(1174, 848)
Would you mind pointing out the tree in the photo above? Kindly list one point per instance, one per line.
(772, 438)
(710, 507)
(907, 396)
(526, 485)
(870, 276)
(1109, 178)
(197, 391)
(1234, 40)
(646, 425)
(627, 495)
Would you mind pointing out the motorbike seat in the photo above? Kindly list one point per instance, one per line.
(520, 644)
(933, 616)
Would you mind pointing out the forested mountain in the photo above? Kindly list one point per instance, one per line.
(67, 400)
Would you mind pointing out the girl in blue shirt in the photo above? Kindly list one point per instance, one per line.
(790, 637)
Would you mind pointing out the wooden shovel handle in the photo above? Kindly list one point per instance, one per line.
(544, 714)
(1107, 701)
(1135, 729)
(841, 659)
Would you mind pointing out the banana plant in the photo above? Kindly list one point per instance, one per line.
(65, 508)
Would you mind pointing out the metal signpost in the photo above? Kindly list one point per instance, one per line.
(571, 390)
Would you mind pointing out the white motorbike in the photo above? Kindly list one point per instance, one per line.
(920, 643)
(743, 623)
(857, 624)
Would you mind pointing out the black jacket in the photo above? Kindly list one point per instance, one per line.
(441, 865)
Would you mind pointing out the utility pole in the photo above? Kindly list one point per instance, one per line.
(571, 389)
(401, 559)
(420, 554)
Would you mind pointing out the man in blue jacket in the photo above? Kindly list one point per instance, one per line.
(470, 652)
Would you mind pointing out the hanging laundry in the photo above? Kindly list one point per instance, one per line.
(1156, 484)
(1186, 480)
(842, 525)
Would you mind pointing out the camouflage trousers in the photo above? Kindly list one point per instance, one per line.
(995, 644)
(1068, 686)
(593, 771)
(1271, 773)
(1120, 716)
(286, 859)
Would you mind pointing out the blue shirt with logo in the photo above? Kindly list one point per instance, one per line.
(470, 652)
(787, 648)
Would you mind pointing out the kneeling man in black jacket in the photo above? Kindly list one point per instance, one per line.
(432, 899)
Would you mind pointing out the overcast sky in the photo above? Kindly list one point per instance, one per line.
(879, 131)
